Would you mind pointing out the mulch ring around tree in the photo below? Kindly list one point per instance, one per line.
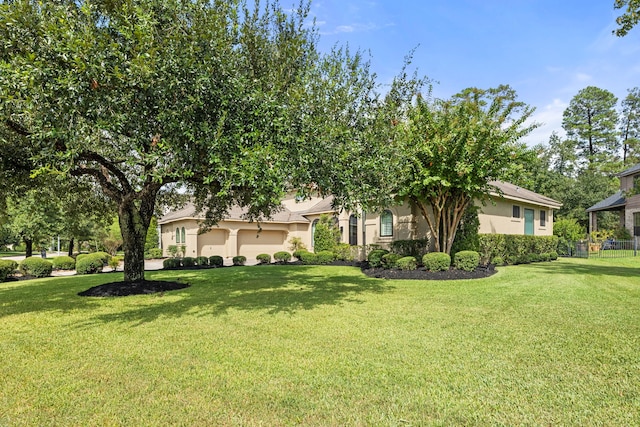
(123, 289)
(423, 274)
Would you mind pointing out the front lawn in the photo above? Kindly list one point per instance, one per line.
(541, 344)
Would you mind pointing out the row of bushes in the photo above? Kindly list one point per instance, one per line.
(40, 267)
(201, 261)
(516, 249)
(434, 261)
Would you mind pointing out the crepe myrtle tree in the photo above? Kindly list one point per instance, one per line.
(454, 148)
(229, 100)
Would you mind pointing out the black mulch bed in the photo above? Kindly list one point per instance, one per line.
(123, 289)
(422, 274)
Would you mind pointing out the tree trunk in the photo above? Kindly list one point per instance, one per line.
(134, 216)
(70, 247)
(28, 247)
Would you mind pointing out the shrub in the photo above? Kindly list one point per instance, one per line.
(467, 237)
(498, 260)
(326, 235)
(407, 263)
(188, 261)
(436, 261)
(375, 257)
(297, 244)
(307, 257)
(325, 257)
(298, 253)
(64, 263)
(239, 260)
(553, 255)
(7, 267)
(155, 253)
(173, 250)
(170, 263)
(89, 264)
(466, 260)
(343, 252)
(389, 260)
(114, 262)
(282, 256)
(415, 248)
(216, 261)
(263, 258)
(545, 257)
(36, 267)
(202, 261)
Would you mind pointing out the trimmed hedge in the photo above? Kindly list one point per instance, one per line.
(188, 261)
(497, 260)
(216, 261)
(325, 257)
(415, 248)
(263, 258)
(282, 256)
(7, 268)
(239, 260)
(514, 248)
(466, 260)
(407, 263)
(154, 253)
(375, 257)
(436, 261)
(89, 263)
(306, 257)
(202, 261)
(64, 263)
(36, 267)
(343, 252)
(298, 253)
(170, 263)
(390, 260)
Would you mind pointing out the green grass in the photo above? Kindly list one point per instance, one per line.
(542, 344)
(10, 253)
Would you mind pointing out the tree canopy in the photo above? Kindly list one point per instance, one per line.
(228, 99)
(454, 148)
(629, 18)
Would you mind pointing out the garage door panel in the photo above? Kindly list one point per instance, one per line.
(213, 242)
(252, 243)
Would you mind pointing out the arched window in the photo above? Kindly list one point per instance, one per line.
(177, 235)
(184, 240)
(313, 232)
(386, 224)
(353, 230)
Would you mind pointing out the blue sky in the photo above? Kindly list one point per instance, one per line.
(547, 50)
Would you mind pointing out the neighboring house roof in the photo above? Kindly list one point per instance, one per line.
(514, 192)
(236, 213)
(323, 206)
(613, 202)
(631, 171)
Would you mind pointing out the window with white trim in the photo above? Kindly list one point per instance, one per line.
(386, 224)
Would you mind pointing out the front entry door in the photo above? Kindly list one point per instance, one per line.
(528, 222)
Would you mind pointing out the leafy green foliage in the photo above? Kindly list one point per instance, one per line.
(216, 261)
(344, 252)
(282, 256)
(7, 268)
(296, 244)
(416, 248)
(437, 261)
(466, 260)
(114, 262)
(188, 261)
(498, 261)
(390, 260)
(171, 263)
(375, 257)
(90, 263)
(64, 263)
(155, 253)
(263, 258)
(202, 261)
(453, 149)
(36, 267)
(407, 263)
(467, 234)
(513, 248)
(325, 257)
(327, 234)
(307, 257)
(629, 17)
(239, 260)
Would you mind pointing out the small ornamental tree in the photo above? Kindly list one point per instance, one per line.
(327, 234)
(454, 149)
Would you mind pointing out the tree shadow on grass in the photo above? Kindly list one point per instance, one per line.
(212, 292)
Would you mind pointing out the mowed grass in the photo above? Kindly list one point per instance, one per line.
(544, 344)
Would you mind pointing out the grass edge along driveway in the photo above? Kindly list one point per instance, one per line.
(551, 343)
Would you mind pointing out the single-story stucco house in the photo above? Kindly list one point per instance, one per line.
(512, 210)
(625, 201)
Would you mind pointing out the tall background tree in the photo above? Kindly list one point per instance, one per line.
(629, 18)
(454, 148)
(629, 127)
(231, 100)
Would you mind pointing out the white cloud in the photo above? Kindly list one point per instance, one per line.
(355, 28)
(583, 77)
(550, 119)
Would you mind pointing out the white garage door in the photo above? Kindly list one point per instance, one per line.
(213, 242)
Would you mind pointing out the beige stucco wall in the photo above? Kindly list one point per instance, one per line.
(496, 218)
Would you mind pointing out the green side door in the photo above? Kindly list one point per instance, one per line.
(528, 221)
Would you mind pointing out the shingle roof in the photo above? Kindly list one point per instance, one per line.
(323, 206)
(236, 213)
(514, 192)
(612, 202)
(632, 170)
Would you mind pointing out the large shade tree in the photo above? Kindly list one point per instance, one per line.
(454, 148)
(230, 100)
